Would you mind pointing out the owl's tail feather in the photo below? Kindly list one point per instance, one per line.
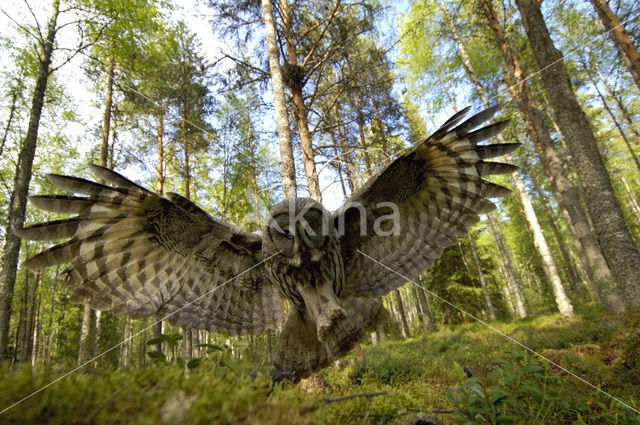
(299, 350)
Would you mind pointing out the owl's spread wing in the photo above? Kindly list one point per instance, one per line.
(438, 190)
(134, 252)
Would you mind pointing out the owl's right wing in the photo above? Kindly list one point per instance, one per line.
(136, 253)
(437, 190)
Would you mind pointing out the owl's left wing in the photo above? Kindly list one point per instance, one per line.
(433, 194)
(136, 253)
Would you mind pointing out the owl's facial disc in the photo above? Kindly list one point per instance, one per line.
(300, 239)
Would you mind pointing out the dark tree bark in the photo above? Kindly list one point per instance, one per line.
(616, 242)
(18, 199)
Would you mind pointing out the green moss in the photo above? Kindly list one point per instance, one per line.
(418, 375)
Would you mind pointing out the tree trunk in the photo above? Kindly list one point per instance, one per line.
(84, 348)
(12, 114)
(254, 170)
(160, 152)
(548, 264)
(284, 135)
(360, 122)
(424, 304)
(594, 260)
(346, 152)
(562, 246)
(185, 146)
(564, 305)
(615, 239)
(627, 50)
(157, 326)
(87, 316)
(106, 123)
(483, 282)
(615, 121)
(295, 80)
(513, 285)
(621, 106)
(18, 199)
(403, 317)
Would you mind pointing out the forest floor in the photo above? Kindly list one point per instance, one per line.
(460, 374)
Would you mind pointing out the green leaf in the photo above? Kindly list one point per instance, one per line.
(156, 356)
(193, 363)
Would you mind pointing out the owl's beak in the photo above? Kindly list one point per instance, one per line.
(302, 236)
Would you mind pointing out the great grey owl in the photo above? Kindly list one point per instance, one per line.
(136, 253)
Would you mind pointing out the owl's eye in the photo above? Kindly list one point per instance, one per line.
(288, 234)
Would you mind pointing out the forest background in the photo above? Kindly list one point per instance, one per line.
(198, 99)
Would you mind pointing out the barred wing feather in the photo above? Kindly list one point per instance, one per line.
(438, 190)
(136, 253)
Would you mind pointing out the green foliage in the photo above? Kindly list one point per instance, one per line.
(526, 387)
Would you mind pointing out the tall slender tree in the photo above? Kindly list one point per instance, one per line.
(18, 201)
(620, 37)
(282, 120)
(616, 242)
(552, 163)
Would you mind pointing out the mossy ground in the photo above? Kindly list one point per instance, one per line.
(425, 378)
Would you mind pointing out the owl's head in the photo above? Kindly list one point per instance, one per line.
(300, 229)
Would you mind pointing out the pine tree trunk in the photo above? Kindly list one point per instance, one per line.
(295, 79)
(513, 285)
(483, 282)
(282, 120)
(18, 199)
(552, 163)
(627, 50)
(616, 242)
